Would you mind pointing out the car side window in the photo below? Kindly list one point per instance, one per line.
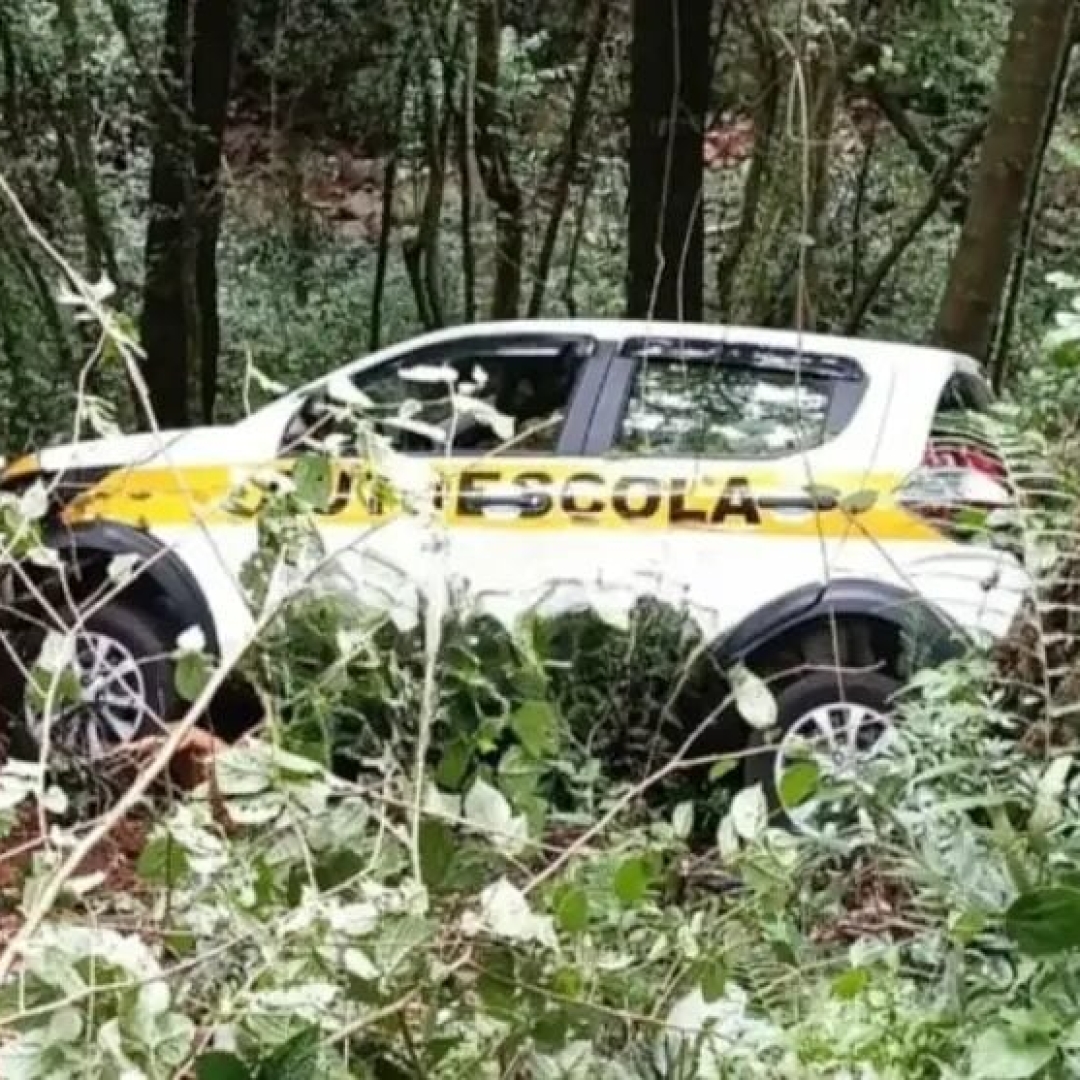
(738, 402)
(478, 400)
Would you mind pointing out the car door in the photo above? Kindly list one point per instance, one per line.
(479, 422)
(707, 457)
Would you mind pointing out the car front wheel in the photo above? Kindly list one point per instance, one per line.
(837, 720)
(119, 687)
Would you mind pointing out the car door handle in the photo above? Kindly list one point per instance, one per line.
(514, 502)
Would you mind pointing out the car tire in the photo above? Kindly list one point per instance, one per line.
(124, 653)
(804, 703)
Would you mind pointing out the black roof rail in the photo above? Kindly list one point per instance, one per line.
(751, 354)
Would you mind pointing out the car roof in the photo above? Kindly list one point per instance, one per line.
(888, 357)
(868, 350)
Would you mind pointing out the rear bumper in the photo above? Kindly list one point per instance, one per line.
(980, 591)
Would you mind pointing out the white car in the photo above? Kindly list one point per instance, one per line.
(786, 489)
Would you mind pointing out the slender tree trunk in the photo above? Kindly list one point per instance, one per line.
(11, 111)
(386, 215)
(980, 268)
(468, 175)
(500, 185)
(216, 31)
(669, 92)
(100, 254)
(180, 326)
(823, 86)
(768, 97)
(571, 151)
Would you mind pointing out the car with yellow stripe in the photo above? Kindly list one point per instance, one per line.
(789, 490)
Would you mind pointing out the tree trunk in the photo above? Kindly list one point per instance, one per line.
(501, 187)
(100, 253)
(999, 356)
(823, 88)
(668, 101)
(570, 154)
(180, 327)
(767, 99)
(980, 268)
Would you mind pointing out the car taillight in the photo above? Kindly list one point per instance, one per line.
(957, 490)
(944, 455)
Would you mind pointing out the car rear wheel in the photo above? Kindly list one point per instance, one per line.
(837, 720)
(122, 687)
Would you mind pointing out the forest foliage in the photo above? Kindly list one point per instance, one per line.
(455, 848)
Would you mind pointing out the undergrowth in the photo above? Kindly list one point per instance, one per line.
(448, 852)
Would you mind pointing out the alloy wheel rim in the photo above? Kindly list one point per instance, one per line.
(112, 700)
(839, 738)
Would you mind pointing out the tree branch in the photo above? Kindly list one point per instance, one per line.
(934, 199)
(925, 155)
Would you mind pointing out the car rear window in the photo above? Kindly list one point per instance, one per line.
(737, 401)
(958, 439)
(964, 393)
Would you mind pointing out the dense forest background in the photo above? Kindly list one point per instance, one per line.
(525, 872)
(287, 183)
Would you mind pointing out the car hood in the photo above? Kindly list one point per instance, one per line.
(191, 446)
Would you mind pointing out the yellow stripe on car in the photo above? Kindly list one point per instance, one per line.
(531, 494)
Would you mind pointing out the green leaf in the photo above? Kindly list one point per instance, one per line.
(163, 862)
(714, 978)
(436, 852)
(1045, 921)
(859, 502)
(454, 765)
(297, 1059)
(1002, 1053)
(850, 984)
(192, 675)
(968, 926)
(572, 910)
(799, 783)
(972, 519)
(536, 726)
(314, 480)
(497, 984)
(724, 767)
(631, 881)
(219, 1065)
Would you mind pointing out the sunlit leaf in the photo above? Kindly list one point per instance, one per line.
(489, 810)
(753, 698)
(859, 502)
(851, 983)
(682, 820)
(192, 674)
(799, 783)
(1004, 1053)
(749, 813)
(572, 910)
(632, 880)
(313, 478)
(505, 913)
